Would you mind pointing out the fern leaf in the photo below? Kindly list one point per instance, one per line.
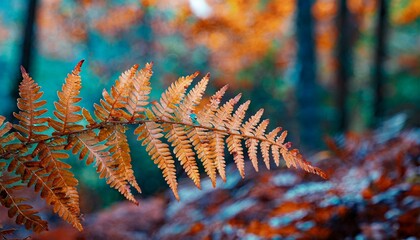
(200, 138)
(66, 111)
(265, 148)
(88, 146)
(177, 133)
(248, 129)
(44, 182)
(234, 142)
(30, 123)
(24, 213)
(113, 102)
(120, 151)
(5, 136)
(220, 121)
(150, 133)
(138, 96)
(171, 97)
(104, 142)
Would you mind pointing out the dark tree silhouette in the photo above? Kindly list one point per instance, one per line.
(307, 89)
(29, 39)
(343, 62)
(378, 75)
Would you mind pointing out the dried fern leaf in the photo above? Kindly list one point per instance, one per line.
(88, 146)
(110, 107)
(24, 213)
(5, 136)
(217, 145)
(67, 113)
(34, 174)
(138, 96)
(31, 125)
(171, 97)
(201, 139)
(178, 133)
(120, 151)
(234, 142)
(172, 119)
(150, 134)
(64, 182)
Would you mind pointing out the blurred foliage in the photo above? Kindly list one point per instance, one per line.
(248, 44)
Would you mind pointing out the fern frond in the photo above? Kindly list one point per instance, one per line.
(67, 113)
(37, 158)
(111, 105)
(88, 146)
(31, 125)
(150, 133)
(34, 174)
(138, 96)
(24, 213)
(120, 151)
(171, 97)
(220, 122)
(5, 136)
(178, 133)
(249, 129)
(49, 155)
(234, 141)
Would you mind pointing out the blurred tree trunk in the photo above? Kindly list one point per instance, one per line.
(307, 89)
(344, 65)
(29, 39)
(378, 77)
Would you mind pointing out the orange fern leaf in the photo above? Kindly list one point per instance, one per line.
(44, 182)
(120, 151)
(25, 215)
(88, 146)
(138, 96)
(66, 110)
(113, 102)
(234, 141)
(150, 133)
(219, 121)
(30, 123)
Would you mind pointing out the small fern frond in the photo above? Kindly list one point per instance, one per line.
(150, 133)
(171, 97)
(67, 113)
(5, 136)
(24, 213)
(217, 145)
(138, 96)
(120, 151)
(34, 174)
(234, 141)
(111, 105)
(31, 125)
(88, 146)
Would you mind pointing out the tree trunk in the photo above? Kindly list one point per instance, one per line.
(344, 65)
(307, 89)
(378, 78)
(29, 39)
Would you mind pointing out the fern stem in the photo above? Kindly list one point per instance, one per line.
(137, 122)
